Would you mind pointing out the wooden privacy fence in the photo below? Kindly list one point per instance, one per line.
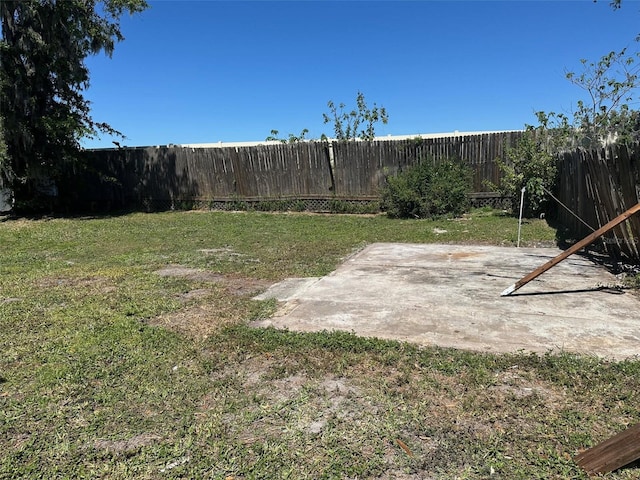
(133, 177)
(162, 177)
(360, 167)
(598, 185)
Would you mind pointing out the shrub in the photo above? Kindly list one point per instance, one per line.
(428, 190)
(531, 165)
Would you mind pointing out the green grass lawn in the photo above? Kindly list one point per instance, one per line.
(125, 353)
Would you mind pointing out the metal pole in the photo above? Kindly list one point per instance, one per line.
(520, 220)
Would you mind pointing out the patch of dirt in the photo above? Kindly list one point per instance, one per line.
(228, 254)
(208, 315)
(258, 374)
(194, 274)
(195, 294)
(511, 383)
(305, 407)
(10, 300)
(235, 285)
(126, 446)
(288, 403)
(198, 321)
(245, 286)
(94, 283)
(296, 401)
(18, 441)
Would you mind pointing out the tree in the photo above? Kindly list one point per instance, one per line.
(4, 158)
(347, 125)
(610, 84)
(531, 164)
(42, 77)
(605, 117)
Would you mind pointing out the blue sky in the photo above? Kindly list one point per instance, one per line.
(209, 71)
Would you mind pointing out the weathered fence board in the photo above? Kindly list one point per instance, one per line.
(598, 185)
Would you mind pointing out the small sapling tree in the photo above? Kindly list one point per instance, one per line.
(531, 164)
(357, 123)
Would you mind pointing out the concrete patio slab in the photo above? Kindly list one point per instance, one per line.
(449, 295)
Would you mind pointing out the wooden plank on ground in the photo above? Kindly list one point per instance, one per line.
(612, 454)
